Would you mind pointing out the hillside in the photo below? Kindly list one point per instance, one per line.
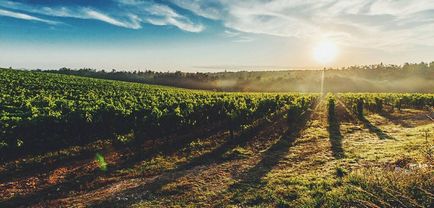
(42, 110)
(410, 78)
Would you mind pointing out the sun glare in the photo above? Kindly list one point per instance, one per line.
(325, 52)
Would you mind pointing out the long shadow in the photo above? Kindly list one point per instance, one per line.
(372, 128)
(27, 170)
(395, 120)
(335, 136)
(251, 180)
(167, 145)
(74, 183)
(215, 156)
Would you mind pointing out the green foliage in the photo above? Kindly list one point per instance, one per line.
(378, 105)
(331, 104)
(376, 102)
(43, 110)
(298, 107)
(359, 108)
(341, 172)
(102, 164)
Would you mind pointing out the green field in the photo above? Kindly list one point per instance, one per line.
(74, 141)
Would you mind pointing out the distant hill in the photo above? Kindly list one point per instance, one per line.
(373, 78)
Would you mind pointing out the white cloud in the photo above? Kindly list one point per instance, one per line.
(385, 24)
(205, 8)
(237, 37)
(160, 14)
(133, 23)
(129, 14)
(25, 17)
(243, 39)
(231, 34)
(164, 15)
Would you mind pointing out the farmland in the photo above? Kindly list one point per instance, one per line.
(75, 141)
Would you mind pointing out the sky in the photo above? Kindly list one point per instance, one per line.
(212, 35)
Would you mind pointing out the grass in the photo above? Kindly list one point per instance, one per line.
(319, 163)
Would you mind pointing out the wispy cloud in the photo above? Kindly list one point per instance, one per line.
(25, 17)
(375, 23)
(210, 9)
(237, 37)
(164, 15)
(381, 24)
(133, 23)
(126, 13)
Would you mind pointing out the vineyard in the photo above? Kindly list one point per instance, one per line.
(94, 142)
(46, 110)
(378, 102)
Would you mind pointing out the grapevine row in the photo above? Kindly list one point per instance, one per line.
(40, 110)
(376, 102)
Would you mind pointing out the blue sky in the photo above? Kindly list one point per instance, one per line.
(211, 35)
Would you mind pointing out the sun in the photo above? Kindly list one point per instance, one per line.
(325, 52)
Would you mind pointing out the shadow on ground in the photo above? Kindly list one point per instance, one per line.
(251, 179)
(335, 136)
(85, 179)
(150, 190)
(395, 119)
(374, 129)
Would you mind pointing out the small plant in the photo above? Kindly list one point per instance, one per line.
(3, 144)
(428, 148)
(102, 164)
(125, 138)
(341, 172)
(20, 142)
